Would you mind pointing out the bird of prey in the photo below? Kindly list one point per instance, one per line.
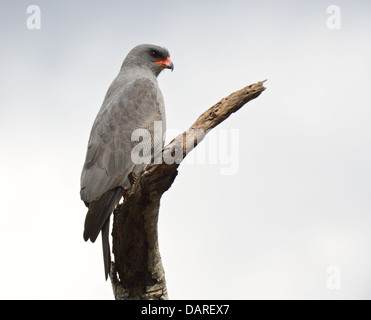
(133, 101)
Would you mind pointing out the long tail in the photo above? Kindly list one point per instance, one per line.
(97, 220)
(106, 249)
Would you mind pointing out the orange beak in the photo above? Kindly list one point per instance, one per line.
(166, 63)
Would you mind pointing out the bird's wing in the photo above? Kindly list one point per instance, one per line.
(108, 159)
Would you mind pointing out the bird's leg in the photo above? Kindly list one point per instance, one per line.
(125, 192)
(132, 179)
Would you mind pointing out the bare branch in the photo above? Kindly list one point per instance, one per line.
(137, 272)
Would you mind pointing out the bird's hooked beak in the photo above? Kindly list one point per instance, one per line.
(166, 63)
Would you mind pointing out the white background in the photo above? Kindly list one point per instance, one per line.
(300, 200)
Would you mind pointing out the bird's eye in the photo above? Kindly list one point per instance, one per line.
(153, 54)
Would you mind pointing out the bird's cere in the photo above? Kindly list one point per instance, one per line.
(166, 63)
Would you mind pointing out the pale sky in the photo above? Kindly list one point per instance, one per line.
(292, 218)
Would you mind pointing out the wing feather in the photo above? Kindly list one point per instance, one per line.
(108, 160)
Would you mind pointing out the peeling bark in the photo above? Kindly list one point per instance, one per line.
(137, 272)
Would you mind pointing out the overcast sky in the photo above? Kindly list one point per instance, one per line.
(276, 202)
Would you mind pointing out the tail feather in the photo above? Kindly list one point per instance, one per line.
(106, 249)
(99, 211)
(97, 220)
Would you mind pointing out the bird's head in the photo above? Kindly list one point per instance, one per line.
(150, 56)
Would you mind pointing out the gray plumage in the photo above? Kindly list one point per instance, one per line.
(133, 101)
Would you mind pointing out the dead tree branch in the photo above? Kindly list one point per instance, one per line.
(137, 272)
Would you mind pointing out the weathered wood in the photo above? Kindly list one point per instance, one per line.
(137, 272)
